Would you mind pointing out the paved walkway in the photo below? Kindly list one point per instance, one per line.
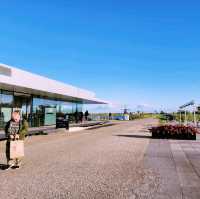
(176, 165)
(52, 128)
(119, 161)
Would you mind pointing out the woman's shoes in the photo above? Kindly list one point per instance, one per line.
(12, 165)
(15, 167)
(9, 165)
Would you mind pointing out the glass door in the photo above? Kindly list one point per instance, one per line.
(6, 113)
(50, 116)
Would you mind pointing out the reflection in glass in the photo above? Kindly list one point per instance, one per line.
(39, 111)
(44, 112)
(6, 99)
(6, 102)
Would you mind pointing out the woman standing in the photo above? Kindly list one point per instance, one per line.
(15, 129)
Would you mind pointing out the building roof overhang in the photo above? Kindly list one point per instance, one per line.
(17, 80)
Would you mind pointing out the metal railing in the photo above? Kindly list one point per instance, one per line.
(96, 117)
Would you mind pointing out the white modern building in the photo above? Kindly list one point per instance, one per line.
(38, 98)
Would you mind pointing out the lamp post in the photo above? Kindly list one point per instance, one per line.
(191, 103)
(195, 118)
(180, 120)
(185, 117)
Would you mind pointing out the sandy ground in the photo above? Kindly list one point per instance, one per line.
(99, 163)
(118, 162)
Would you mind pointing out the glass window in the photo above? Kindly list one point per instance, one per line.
(65, 107)
(44, 112)
(6, 99)
(6, 102)
(79, 107)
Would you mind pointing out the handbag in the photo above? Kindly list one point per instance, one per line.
(16, 149)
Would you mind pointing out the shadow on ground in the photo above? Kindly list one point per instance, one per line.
(101, 126)
(3, 166)
(135, 136)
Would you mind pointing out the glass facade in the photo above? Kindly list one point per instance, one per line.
(6, 104)
(22, 103)
(43, 112)
(39, 111)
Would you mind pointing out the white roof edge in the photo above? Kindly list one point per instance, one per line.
(47, 78)
(21, 78)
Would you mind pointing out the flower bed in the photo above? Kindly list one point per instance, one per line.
(174, 132)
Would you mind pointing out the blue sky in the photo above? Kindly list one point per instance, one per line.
(138, 53)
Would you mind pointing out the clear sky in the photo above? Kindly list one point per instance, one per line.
(139, 53)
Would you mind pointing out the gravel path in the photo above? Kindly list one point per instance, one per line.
(99, 163)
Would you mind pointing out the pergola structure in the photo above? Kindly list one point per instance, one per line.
(183, 109)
